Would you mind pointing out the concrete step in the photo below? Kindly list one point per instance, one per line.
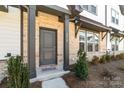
(1, 77)
(49, 75)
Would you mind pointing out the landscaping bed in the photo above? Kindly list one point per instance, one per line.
(97, 77)
(37, 84)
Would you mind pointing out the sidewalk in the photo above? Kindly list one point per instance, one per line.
(54, 83)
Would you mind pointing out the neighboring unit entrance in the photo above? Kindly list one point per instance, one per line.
(48, 46)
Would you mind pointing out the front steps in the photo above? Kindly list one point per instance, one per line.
(49, 75)
(2, 76)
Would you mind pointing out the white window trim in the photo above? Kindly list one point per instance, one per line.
(93, 42)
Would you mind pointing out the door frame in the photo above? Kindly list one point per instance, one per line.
(40, 36)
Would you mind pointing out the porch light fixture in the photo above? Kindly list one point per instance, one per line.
(77, 27)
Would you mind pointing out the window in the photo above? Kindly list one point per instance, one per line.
(85, 7)
(82, 40)
(92, 40)
(115, 17)
(96, 41)
(91, 8)
(115, 44)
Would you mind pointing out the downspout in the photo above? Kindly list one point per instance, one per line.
(105, 15)
(21, 30)
(106, 25)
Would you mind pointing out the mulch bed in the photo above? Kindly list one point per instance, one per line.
(95, 79)
(3, 83)
(73, 81)
(37, 84)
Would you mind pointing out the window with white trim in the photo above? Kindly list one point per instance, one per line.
(96, 42)
(115, 44)
(82, 40)
(91, 8)
(114, 16)
(92, 40)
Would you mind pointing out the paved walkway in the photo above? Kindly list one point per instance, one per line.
(54, 83)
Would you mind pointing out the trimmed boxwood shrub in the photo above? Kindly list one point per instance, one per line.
(81, 67)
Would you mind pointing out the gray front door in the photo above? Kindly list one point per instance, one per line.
(48, 47)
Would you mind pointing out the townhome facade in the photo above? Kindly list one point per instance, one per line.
(99, 33)
(115, 20)
(41, 36)
(49, 37)
(93, 31)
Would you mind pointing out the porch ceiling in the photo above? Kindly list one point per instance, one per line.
(91, 24)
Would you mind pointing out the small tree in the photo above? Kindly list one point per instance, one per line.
(18, 75)
(81, 67)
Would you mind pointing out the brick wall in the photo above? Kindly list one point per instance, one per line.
(73, 44)
(51, 21)
(3, 69)
(48, 21)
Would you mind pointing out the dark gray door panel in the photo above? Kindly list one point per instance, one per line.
(48, 47)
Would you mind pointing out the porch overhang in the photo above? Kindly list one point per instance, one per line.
(53, 9)
(93, 25)
(117, 32)
(4, 8)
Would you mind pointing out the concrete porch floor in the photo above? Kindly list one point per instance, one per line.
(47, 75)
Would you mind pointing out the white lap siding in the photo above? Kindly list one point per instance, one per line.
(10, 32)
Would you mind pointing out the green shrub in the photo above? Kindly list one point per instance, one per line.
(18, 75)
(121, 67)
(113, 57)
(108, 58)
(71, 67)
(117, 57)
(103, 59)
(95, 60)
(121, 56)
(81, 67)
